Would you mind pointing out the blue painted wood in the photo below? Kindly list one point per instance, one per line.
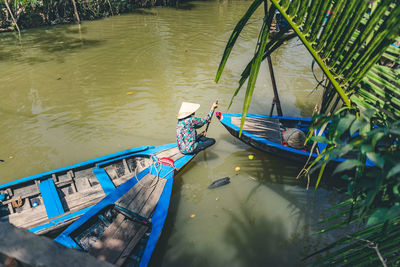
(277, 149)
(104, 180)
(60, 220)
(48, 174)
(157, 219)
(51, 199)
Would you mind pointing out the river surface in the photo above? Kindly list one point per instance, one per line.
(70, 93)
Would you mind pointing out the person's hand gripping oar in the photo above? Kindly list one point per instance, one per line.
(213, 107)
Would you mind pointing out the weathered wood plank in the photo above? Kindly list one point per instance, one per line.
(123, 234)
(151, 202)
(87, 196)
(168, 153)
(113, 247)
(130, 196)
(28, 217)
(140, 231)
(147, 188)
(177, 156)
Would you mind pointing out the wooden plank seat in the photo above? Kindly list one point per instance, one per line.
(172, 153)
(266, 128)
(84, 198)
(28, 217)
(122, 235)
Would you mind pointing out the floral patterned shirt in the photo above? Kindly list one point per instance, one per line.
(186, 132)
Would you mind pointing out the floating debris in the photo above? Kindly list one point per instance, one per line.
(251, 157)
(237, 169)
(10, 157)
(129, 93)
(192, 216)
(217, 198)
(219, 182)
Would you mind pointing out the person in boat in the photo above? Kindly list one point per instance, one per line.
(187, 139)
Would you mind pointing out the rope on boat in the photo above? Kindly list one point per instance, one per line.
(157, 178)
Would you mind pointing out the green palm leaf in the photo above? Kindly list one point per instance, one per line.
(346, 42)
(351, 41)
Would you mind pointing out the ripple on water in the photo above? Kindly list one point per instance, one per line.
(63, 99)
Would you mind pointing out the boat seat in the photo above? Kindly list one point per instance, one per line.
(104, 180)
(51, 198)
(123, 234)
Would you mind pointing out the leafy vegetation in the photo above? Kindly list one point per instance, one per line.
(351, 41)
(33, 13)
(374, 196)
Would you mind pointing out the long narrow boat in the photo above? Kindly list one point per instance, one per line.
(46, 202)
(123, 228)
(264, 133)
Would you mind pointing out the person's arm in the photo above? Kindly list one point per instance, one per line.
(197, 122)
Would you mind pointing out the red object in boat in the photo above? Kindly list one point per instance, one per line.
(167, 162)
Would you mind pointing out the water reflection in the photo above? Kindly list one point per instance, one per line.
(69, 94)
(244, 223)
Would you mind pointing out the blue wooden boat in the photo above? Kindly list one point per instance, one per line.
(46, 202)
(123, 228)
(264, 133)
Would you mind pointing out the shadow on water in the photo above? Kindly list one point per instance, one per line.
(185, 6)
(56, 43)
(259, 241)
(255, 239)
(264, 167)
(143, 12)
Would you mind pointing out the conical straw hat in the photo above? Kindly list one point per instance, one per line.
(187, 109)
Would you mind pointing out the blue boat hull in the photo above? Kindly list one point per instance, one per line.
(268, 146)
(46, 202)
(71, 236)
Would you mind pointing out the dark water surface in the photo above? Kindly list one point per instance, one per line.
(69, 94)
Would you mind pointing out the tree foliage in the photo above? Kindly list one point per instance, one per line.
(352, 43)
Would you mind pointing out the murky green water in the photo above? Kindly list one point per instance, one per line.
(70, 94)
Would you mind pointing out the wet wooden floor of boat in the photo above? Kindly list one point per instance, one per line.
(32, 217)
(266, 128)
(122, 235)
(172, 153)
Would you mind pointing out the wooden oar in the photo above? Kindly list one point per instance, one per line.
(208, 123)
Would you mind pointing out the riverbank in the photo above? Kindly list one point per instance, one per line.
(31, 13)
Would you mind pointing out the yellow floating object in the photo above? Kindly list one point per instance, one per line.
(11, 157)
(217, 198)
(192, 216)
(129, 93)
(237, 169)
(285, 43)
(251, 157)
